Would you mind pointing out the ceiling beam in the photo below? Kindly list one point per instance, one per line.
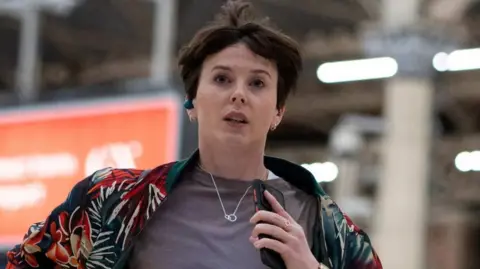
(466, 92)
(316, 105)
(338, 10)
(448, 11)
(322, 46)
(115, 70)
(67, 36)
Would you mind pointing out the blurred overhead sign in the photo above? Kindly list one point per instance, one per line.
(45, 152)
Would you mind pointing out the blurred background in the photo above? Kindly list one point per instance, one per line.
(387, 115)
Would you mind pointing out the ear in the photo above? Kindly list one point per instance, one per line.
(192, 112)
(277, 118)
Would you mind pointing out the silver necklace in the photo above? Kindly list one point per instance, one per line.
(233, 216)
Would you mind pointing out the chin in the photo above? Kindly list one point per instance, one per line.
(236, 139)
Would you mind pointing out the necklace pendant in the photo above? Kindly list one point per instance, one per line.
(231, 217)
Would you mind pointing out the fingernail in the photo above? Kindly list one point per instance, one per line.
(257, 244)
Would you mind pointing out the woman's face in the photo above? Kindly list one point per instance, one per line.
(236, 97)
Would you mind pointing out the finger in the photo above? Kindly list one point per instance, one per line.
(273, 231)
(270, 217)
(277, 207)
(272, 244)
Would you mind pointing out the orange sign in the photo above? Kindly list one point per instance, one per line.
(45, 152)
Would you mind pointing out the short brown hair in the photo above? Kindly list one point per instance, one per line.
(237, 23)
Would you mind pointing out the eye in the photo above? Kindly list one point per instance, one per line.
(221, 79)
(257, 83)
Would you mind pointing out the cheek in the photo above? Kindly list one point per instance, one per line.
(265, 118)
(269, 107)
(207, 106)
(208, 92)
(203, 99)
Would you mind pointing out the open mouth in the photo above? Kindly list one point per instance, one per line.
(235, 120)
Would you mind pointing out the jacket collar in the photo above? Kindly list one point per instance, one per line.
(292, 173)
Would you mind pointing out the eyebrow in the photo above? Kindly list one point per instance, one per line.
(255, 71)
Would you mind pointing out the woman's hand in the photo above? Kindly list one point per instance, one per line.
(289, 238)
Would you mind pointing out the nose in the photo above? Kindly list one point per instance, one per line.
(238, 96)
(240, 99)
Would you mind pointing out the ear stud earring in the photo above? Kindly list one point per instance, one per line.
(188, 104)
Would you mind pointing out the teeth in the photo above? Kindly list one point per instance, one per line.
(237, 120)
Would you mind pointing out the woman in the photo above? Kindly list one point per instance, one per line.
(238, 72)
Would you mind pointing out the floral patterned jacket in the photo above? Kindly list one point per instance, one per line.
(97, 224)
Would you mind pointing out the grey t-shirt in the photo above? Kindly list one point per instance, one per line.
(190, 231)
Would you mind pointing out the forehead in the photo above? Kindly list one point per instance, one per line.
(239, 55)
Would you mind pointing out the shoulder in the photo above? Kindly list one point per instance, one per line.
(122, 179)
(108, 177)
(110, 187)
(113, 185)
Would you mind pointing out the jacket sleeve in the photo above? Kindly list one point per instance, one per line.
(64, 237)
(359, 252)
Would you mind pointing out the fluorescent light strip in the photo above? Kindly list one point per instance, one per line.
(459, 60)
(343, 71)
(385, 67)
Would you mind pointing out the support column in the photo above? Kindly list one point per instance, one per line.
(163, 41)
(27, 66)
(401, 14)
(402, 198)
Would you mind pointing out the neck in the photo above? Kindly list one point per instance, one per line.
(233, 162)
